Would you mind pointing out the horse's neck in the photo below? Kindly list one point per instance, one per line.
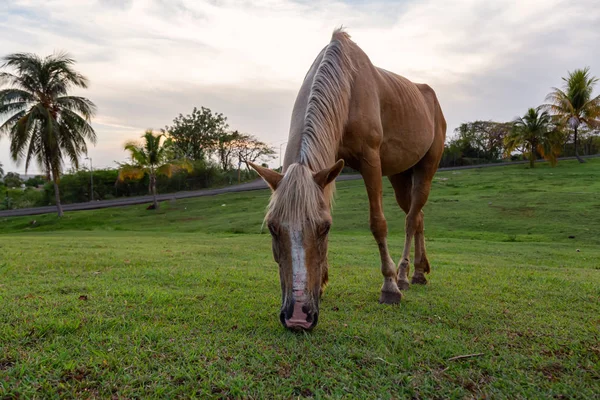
(316, 157)
(322, 107)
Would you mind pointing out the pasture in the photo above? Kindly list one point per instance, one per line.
(184, 302)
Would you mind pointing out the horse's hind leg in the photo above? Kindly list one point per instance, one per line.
(422, 266)
(423, 174)
(402, 184)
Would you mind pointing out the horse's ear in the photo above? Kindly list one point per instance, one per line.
(328, 175)
(271, 177)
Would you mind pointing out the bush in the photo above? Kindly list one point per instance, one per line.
(19, 198)
(36, 181)
(76, 187)
(12, 180)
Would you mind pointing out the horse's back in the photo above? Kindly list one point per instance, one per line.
(387, 114)
(410, 115)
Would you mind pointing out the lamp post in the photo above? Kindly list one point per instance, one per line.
(91, 178)
(280, 154)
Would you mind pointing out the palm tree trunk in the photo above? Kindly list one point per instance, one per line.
(581, 160)
(57, 195)
(153, 184)
(532, 156)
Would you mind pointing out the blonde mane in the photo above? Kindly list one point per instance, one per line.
(328, 104)
(298, 199)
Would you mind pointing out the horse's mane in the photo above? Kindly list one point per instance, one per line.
(298, 199)
(328, 102)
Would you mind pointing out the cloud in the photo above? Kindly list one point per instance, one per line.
(149, 60)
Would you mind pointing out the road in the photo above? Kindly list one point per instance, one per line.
(244, 187)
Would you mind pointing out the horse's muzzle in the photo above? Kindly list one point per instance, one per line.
(298, 317)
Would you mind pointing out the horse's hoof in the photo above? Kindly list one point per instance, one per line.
(418, 280)
(403, 285)
(390, 297)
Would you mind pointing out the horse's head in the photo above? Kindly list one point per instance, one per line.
(299, 218)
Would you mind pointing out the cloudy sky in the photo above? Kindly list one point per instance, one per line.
(149, 60)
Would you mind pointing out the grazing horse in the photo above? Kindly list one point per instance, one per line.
(380, 124)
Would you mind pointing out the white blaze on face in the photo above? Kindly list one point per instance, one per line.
(298, 265)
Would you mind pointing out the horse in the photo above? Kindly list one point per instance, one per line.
(378, 123)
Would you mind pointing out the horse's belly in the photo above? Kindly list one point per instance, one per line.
(402, 151)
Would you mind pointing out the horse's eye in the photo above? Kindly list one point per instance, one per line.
(324, 228)
(272, 229)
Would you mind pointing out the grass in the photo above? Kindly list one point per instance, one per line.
(184, 302)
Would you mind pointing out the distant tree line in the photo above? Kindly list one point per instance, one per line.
(567, 125)
(197, 151)
(46, 125)
(75, 186)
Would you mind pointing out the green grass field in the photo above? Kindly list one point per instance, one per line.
(184, 302)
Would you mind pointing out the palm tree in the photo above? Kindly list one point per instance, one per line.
(44, 123)
(152, 158)
(574, 104)
(1, 171)
(535, 133)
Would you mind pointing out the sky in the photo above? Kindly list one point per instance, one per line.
(150, 60)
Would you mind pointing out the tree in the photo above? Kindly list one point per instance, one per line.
(482, 139)
(589, 140)
(574, 105)
(227, 144)
(534, 131)
(1, 171)
(152, 158)
(250, 149)
(13, 180)
(196, 135)
(43, 121)
(35, 181)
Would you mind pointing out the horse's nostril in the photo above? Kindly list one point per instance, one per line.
(282, 318)
(289, 310)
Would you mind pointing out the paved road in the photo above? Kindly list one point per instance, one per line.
(244, 187)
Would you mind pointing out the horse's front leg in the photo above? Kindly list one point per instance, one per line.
(371, 172)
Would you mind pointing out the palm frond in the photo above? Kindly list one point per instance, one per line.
(558, 103)
(34, 150)
(21, 135)
(128, 171)
(10, 108)
(550, 146)
(6, 127)
(29, 69)
(62, 74)
(137, 153)
(6, 78)
(79, 127)
(77, 104)
(15, 95)
(168, 169)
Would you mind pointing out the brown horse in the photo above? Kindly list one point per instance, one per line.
(380, 124)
